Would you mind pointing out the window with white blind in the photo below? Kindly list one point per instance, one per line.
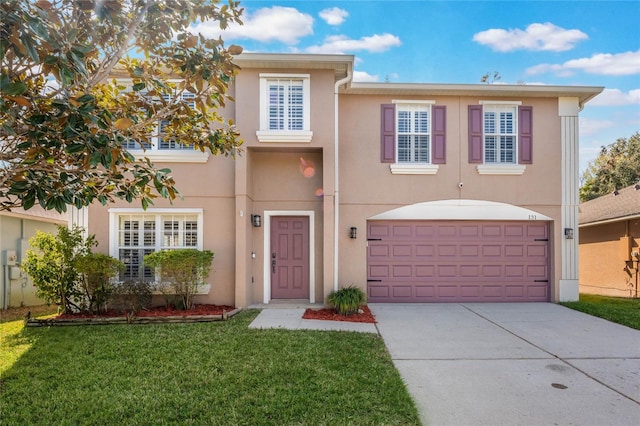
(500, 134)
(134, 234)
(413, 133)
(163, 148)
(284, 108)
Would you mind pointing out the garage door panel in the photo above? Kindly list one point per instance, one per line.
(452, 261)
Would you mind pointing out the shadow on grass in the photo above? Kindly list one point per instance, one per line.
(206, 373)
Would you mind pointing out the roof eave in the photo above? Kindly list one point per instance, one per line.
(584, 93)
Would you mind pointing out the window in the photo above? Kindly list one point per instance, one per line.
(500, 134)
(500, 137)
(135, 234)
(284, 108)
(413, 136)
(161, 148)
(413, 133)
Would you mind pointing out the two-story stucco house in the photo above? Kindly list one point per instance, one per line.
(413, 192)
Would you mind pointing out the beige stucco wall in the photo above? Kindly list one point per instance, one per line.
(270, 177)
(208, 186)
(266, 177)
(603, 267)
(368, 187)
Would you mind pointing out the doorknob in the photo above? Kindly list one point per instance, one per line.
(273, 263)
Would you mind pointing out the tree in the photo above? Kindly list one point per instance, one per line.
(71, 96)
(52, 267)
(617, 166)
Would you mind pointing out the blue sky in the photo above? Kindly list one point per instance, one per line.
(593, 43)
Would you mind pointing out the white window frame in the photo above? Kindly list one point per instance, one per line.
(500, 168)
(158, 215)
(167, 155)
(264, 134)
(414, 167)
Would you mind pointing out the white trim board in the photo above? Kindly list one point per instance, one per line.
(267, 250)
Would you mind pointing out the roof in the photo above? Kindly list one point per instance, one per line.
(343, 67)
(611, 207)
(37, 213)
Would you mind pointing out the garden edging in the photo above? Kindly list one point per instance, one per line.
(35, 322)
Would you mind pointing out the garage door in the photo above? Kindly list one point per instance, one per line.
(457, 261)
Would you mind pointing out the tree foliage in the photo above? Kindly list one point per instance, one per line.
(617, 166)
(81, 77)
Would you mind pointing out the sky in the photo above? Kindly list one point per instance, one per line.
(572, 43)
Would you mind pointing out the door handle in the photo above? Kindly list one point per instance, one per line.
(273, 263)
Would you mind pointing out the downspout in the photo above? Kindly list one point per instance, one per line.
(336, 199)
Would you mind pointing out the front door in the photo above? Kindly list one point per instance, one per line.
(289, 260)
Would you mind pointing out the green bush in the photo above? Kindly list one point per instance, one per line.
(131, 296)
(52, 266)
(97, 271)
(347, 300)
(182, 270)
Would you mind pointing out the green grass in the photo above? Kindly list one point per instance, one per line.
(220, 373)
(616, 309)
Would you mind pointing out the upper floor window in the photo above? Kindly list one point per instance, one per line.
(500, 137)
(163, 148)
(413, 133)
(413, 136)
(284, 108)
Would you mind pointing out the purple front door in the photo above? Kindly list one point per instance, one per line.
(289, 260)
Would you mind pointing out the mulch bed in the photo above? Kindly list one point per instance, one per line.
(161, 314)
(332, 315)
(158, 311)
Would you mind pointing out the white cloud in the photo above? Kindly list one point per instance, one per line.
(589, 126)
(626, 63)
(535, 37)
(364, 77)
(616, 97)
(341, 44)
(334, 16)
(283, 24)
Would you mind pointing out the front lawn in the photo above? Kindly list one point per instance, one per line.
(616, 309)
(219, 373)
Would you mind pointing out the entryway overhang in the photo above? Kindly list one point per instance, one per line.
(461, 210)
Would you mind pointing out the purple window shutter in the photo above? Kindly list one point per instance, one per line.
(439, 135)
(525, 135)
(388, 133)
(475, 134)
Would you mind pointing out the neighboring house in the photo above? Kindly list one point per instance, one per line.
(16, 228)
(413, 192)
(610, 243)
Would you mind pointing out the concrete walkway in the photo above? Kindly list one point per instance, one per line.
(291, 319)
(513, 364)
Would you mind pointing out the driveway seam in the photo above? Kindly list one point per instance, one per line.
(554, 355)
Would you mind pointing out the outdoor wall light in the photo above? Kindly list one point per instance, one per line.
(256, 220)
(568, 233)
(353, 232)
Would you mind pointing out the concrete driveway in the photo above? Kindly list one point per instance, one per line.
(513, 364)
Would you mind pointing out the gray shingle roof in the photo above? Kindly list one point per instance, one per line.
(611, 207)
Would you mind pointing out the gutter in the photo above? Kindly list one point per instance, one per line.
(336, 192)
(615, 219)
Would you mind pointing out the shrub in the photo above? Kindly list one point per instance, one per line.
(347, 300)
(131, 295)
(52, 268)
(182, 270)
(97, 271)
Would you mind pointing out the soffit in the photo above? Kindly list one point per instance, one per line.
(583, 93)
(341, 64)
